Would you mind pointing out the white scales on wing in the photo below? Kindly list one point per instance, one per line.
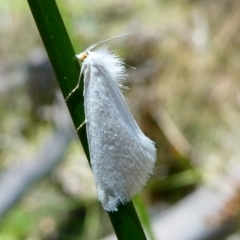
(122, 157)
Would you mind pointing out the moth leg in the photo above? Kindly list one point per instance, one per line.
(70, 94)
(129, 66)
(81, 125)
(78, 84)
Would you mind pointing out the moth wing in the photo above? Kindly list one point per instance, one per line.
(122, 157)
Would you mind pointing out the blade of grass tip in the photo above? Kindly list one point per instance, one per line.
(61, 54)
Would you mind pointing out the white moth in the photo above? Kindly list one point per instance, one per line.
(122, 157)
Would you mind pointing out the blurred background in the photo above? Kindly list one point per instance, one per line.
(184, 94)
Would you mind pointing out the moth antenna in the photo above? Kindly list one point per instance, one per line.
(107, 40)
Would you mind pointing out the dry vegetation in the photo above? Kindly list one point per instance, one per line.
(184, 93)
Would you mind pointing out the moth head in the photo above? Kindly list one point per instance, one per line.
(82, 56)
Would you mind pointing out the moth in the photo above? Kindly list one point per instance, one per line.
(122, 157)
